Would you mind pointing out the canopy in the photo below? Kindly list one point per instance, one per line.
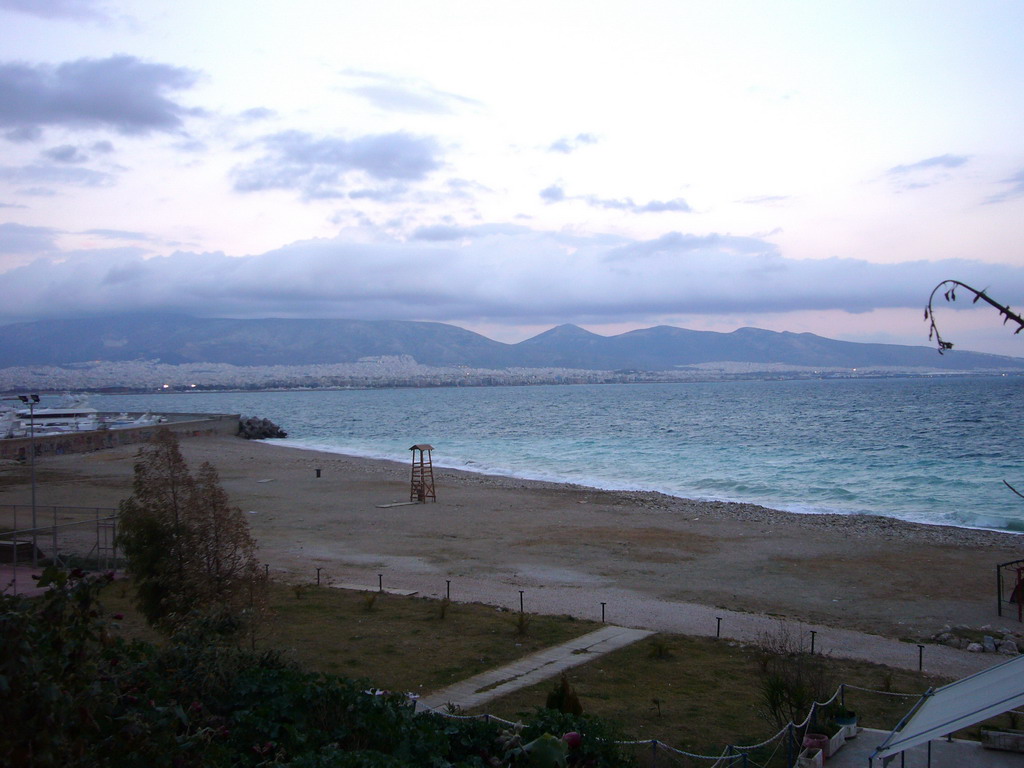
(957, 705)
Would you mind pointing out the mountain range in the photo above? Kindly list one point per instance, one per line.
(178, 339)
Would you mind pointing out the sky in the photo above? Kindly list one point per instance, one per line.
(508, 167)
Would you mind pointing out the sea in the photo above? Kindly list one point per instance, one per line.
(931, 450)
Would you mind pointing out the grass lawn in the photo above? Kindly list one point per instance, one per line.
(396, 643)
(701, 694)
(695, 694)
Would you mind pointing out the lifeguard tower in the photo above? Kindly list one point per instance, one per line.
(422, 474)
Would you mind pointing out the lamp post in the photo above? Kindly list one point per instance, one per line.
(31, 401)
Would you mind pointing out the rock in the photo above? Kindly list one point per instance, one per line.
(953, 642)
(975, 648)
(989, 644)
(1008, 648)
(944, 637)
(259, 429)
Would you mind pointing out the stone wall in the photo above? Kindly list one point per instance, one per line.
(184, 424)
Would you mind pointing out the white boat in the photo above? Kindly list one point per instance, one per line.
(73, 415)
(47, 421)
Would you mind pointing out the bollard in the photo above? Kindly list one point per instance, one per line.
(266, 569)
(718, 627)
(318, 472)
(520, 601)
(813, 633)
(602, 612)
(380, 582)
(920, 657)
(318, 576)
(448, 589)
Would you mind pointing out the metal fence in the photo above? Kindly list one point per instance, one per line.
(68, 537)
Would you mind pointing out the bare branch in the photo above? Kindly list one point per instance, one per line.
(1013, 489)
(1009, 316)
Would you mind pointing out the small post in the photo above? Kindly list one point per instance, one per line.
(448, 589)
(813, 633)
(920, 657)
(318, 576)
(318, 471)
(602, 612)
(718, 626)
(380, 582)
(520, 601)
(654, 751)
(266, 570)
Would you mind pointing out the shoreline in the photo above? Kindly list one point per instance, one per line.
(287, 443)
(491, 535)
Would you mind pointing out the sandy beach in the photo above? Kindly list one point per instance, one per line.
(493, 536)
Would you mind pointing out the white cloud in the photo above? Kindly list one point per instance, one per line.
(505, 273)
(395, 94)
(323, 167)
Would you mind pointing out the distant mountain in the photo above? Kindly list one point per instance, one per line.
(176, 339)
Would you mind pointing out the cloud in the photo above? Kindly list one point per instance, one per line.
(403, 95)
(117, 234)
(553, 194)
(257, 113)
(122, 93)
(556, 194)
(1016, 188)
(942, 161)
(31, 241)
(57, 9)
(567, 145)
(322, 167)
(471, 274)
(55, 174)
(66, 153)
(924, 173)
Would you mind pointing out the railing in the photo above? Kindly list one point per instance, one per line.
(75, 537)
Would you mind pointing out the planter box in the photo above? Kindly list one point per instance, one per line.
(810, 758)
(1011, 741)
(836, 741)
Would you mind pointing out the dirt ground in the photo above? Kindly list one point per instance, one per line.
(857, 572)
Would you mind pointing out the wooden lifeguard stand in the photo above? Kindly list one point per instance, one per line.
(422, 474)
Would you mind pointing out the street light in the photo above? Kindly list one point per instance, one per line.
(31, 401)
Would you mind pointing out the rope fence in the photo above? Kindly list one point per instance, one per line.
(733, 754)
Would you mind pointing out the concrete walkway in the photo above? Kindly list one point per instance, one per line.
(531, 669)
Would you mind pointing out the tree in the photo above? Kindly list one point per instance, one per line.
(189, 551)
(1009, 316)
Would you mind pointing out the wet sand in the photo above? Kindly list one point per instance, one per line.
(491, 535)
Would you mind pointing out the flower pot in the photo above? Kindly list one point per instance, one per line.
(810, 758)
(849, 722)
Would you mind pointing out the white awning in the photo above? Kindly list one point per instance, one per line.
(942, 711)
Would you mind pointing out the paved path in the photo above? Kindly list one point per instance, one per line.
(531, 669)
(637, 609)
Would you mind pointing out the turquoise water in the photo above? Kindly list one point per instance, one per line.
(929, 450)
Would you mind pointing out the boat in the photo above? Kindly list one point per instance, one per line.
(48, 421)
(73, 415)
